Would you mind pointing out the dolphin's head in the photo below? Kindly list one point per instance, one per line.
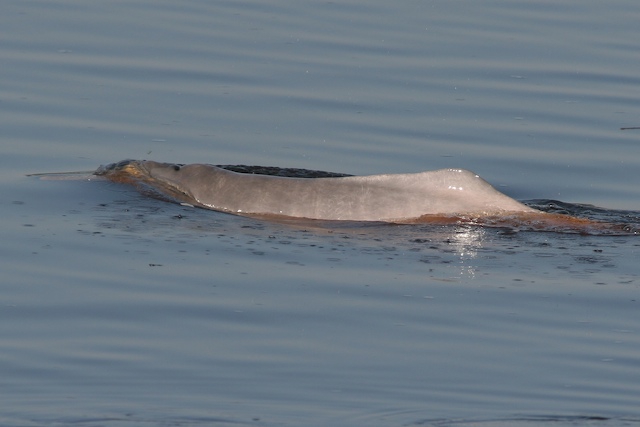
(165, 180)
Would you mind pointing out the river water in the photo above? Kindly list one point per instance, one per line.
(122, 310)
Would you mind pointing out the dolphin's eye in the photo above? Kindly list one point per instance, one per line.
(176, 167)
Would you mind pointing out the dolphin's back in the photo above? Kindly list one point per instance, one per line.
(359, 198)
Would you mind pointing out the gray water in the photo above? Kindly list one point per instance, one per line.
(120, 310)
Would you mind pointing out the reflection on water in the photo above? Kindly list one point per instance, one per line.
(466, 241)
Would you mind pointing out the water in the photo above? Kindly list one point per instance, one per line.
(122, 310)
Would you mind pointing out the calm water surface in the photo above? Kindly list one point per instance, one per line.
(120, 310)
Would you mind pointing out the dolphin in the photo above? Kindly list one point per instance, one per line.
(385, 198)
(445, 196)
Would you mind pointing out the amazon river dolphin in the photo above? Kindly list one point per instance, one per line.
(446, 196)
(387, 198)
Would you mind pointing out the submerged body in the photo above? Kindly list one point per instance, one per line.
(388, 198)
(446, 196)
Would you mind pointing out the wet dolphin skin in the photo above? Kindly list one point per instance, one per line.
(441, 197)
(388, 197)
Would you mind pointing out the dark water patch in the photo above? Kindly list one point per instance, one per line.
(525, 421)
(283, 172)
(632, 218)
(136, 420)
